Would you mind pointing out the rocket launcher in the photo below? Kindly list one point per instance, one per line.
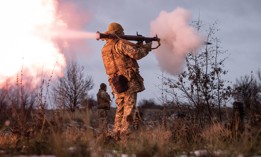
(139, 38)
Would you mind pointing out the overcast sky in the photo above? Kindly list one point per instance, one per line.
(239, 22)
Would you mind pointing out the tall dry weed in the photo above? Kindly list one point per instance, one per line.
(147, 142)
(8, 141)
(216, 136)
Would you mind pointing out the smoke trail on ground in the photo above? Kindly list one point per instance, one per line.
(177, 39)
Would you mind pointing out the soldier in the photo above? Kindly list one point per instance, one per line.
(104, 103)
(120, 61)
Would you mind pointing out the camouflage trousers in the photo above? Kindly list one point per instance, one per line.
(126, 103)
(103, 120)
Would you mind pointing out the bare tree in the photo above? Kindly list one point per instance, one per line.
(259, 76)
(72, 89)
(247, 90)
(201, 83)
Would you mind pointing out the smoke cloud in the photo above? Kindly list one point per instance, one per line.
(177, 39)
(70, 38)
(36, 38)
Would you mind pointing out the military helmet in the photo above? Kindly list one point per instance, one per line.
(103, 86)
(114, 28)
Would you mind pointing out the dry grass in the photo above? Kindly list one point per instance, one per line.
(8, 141)
(149, 142)
(216, 136)
(70, 134)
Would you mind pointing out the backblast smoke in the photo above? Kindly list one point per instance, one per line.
(33, 37)
(177, 39)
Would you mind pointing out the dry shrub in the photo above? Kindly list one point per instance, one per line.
(8, 141)
(248, 141)
(72, 142)
(64, 136)
(73, 137)
(149, 142)
(185, 134)
(216, 136)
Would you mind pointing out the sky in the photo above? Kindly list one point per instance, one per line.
(39, 37)
(239, 24)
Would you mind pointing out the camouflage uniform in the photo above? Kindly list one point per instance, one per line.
(119, 58)
(104, 100)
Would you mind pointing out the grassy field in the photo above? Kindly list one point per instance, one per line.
(63, 133)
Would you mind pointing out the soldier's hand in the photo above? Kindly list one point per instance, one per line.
(148, 46)
(140, 43)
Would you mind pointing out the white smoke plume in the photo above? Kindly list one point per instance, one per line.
(177, 39)
(36, 38)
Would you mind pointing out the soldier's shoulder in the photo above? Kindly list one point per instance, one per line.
(124, 42)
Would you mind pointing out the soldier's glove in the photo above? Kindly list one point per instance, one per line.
(148, 46)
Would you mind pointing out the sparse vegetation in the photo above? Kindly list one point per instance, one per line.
(72, 134)
(204, 124)
(67, 133)
(72, 89)
(201, 84)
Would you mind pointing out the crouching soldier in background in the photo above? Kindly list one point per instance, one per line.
(104, 103)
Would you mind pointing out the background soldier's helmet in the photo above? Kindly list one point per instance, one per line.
(114, 28)
(103, 86)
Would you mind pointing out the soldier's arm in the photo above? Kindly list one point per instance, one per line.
(105, 96)
(132, 50)
(108, 97)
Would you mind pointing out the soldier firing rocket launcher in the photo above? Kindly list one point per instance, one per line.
(139, 38)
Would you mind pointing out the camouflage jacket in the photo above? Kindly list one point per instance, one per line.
(103, 99)
(120, 58)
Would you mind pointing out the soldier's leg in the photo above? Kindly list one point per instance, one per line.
(129, 106)
(106, 121)
(118, 114)
(101, 120)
